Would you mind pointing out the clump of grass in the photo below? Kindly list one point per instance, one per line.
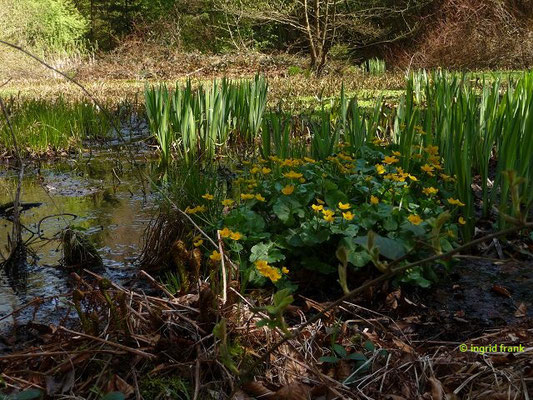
(375, 66)
(41, 125)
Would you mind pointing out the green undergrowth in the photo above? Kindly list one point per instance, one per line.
(165, 388)
(281, 219)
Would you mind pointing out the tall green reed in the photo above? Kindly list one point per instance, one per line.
(198, 121)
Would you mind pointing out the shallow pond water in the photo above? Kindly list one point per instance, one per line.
(103, 196)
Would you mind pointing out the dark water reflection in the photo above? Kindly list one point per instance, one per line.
(111, 204)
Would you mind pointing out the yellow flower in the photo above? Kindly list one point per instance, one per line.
(462, 221)
(254, 170)
(266, 170)
(415, 219)
(267, 271)
(329, 218)
(390, 160)
(195, 210)
(289, 162)
(208, 196)
(348, 216)
(328, 212)
(430, 191)
(225, 233)
(343, 206)
(374, 200)
(258, 197)
(309, 160)
(287, 190)
(198, 243)
(432, 150)
(320, 201)
(446, 178)
(396, 153)
(227, 202)
(292, 175)
(284, 270)
(317, 207)
(428, 169)
(455, 202)
(380, 169)
(215, 256)
(247, 196)
(344, 157)
(235, 236)
(302, 180)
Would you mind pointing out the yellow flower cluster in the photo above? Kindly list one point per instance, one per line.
(215, 256)
(292, 175)
(290, 162)
(208, 196)
(430, 191)
(228, 233)
(428, 169)
(400, 176)
(345, 157)
(247, 196)
(268, 271)
(195, 210)
(329, 215)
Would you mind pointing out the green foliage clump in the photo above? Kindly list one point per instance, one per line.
(49, 26)
(287, 216)
(41, 125)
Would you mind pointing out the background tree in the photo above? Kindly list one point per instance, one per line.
(324, 23)
(42, 25)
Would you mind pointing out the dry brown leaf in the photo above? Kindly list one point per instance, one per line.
(502, 360)
(240, 395)
(257, 389)
(294, 391)
(521, 312)
(437, 392)
(403, 346)
(392, 299)
(117, 384)
(342, 370)
(501, 290)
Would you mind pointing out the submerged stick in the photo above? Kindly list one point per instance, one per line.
(109, 343)
(16, 245)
